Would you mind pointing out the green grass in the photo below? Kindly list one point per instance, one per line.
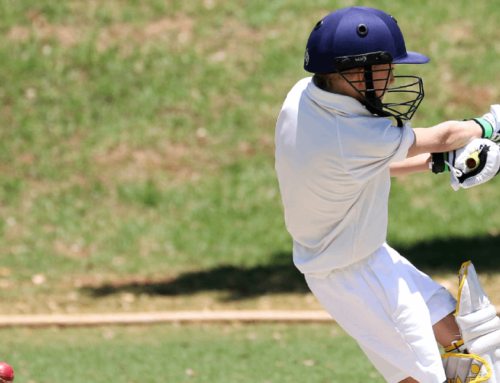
(137, 174)
(207, 353)
(136, 138)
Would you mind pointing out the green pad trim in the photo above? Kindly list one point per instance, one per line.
(487, 128)
(439, 165)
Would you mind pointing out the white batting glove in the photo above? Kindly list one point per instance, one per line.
(474, 164)
(465, 368)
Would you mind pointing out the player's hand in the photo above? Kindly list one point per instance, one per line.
(474, 164)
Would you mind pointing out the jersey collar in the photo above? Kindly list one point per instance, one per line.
(344, 104)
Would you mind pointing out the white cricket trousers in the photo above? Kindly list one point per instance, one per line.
(389, 307)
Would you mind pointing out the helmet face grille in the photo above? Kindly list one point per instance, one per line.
(400, 101)
(403, 101)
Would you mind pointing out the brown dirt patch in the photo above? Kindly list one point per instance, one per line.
(179, 27)
(19, 33)
(75, 250)
(470, 96)
(69, 295)
(180, 23)
(234, 41)
(458, 31)
(26, 158)
(182, 161)
(41, 30)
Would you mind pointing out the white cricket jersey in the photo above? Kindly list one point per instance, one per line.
(332, 160)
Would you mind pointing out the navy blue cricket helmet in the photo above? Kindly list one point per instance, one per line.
(361, 37)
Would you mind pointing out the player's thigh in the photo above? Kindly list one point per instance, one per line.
(383, 310)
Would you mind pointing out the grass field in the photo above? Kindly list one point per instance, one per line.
(136, 151)
(215, 353)
(137, 174)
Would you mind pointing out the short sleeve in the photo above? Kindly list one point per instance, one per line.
(370, 144)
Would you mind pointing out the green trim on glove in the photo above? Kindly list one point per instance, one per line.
(486, 126)
(439, 165)
(446, 167)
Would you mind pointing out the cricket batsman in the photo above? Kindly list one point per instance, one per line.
(338, 143)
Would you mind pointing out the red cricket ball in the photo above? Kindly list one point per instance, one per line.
(6, 373)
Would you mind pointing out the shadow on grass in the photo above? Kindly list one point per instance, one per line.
(281, 276)
(447, 255)
(278, 276)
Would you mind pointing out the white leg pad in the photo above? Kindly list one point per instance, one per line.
(481, 316)
(480, 330)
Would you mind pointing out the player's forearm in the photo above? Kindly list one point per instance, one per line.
(450, 135)
(416, 164)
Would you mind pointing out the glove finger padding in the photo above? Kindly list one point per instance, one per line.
(488, 167)
(465, 368)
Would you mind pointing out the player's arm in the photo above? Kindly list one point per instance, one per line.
(450, 135)
(470, 158)
(410, 165)
(458, 140)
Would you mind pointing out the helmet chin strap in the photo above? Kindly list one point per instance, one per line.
(375, 105)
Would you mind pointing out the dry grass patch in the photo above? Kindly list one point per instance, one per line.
(457, 32)
(67, 35)
(180, 23)
(180, 160)
(234, 40)
(178, 28)
(233, 44)
(19, 33)
(473, 97)
(74, 250)
(69, 296)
